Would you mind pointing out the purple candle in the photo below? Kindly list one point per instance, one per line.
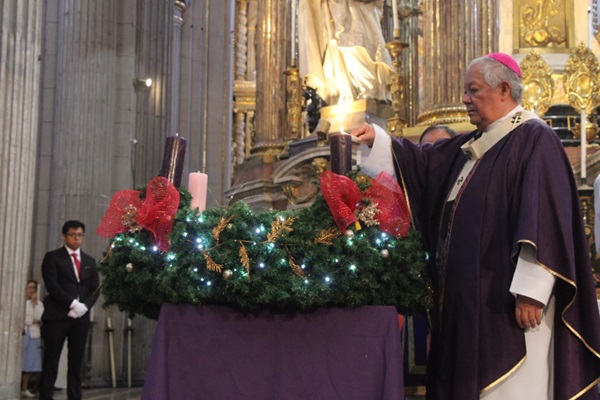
(172, 166)
(340, 146)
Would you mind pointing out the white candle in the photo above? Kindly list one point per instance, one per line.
(395, 18)
(583, 133)
(197, 185)
(293, 31)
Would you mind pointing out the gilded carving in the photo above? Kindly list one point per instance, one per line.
(306, 191)
(396, 124)
(581, 79)
(543, 24)
(538, 85)
(294, 103)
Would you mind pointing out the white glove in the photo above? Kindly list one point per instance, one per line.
(79, 308)
(72, 314)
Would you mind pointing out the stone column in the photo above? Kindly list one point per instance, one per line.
(79, 96)
(19, 94)
(454, 33)
(154, 21)
(409, 33)
(179, 9)
(272, 59)
(76, 157)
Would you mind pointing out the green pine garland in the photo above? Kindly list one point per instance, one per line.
(289, 273)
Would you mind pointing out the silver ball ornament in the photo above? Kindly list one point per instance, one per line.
(129, 267)
(385, 253)
(227, 274)
(349, 233)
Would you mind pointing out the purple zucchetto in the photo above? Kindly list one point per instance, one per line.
(508, 61)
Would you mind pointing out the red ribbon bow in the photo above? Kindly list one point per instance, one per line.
(345, 201)
(156, 213)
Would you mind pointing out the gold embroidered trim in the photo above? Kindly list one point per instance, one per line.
(503, 377)
(570, 282)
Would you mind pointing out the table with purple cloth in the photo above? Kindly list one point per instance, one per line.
(216, 353)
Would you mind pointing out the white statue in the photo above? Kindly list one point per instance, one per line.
(342, 51)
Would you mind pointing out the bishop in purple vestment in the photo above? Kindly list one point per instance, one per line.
(499, 213)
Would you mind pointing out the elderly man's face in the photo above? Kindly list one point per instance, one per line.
(483, 103)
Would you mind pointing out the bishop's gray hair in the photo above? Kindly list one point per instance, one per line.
(494, 72)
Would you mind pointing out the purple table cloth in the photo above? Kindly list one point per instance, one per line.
(215, 353)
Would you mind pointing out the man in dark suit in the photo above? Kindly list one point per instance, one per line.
(71, 281)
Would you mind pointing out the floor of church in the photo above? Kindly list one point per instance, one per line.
(105, 394)
(128, 394)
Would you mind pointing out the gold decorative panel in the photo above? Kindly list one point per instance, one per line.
(545, 25)
(538, 86)
(581, 79)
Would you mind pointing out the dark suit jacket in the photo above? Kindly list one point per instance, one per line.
(62, 286)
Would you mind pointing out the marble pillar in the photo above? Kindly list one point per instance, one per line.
(153, 59)
(409, 12)
(454, 33)
(78, 133)
(19, 101)
(179, 8)
(271, 61)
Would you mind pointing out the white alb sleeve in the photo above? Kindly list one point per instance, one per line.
(531, 279)
(379, 157)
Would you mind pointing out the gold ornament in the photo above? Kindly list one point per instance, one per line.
(538, 85)
(278, 227)
(211, 265)
(581, 79)
(349, 233)
(129, 267)
(385, 253)
(296, 268)
(367, 214)
(245, 259)
(128, 219)
(227, 274)
(216, 231)
(326, 236)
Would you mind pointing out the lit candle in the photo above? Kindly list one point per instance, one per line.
(172, 165)
(583, 133)
(395, 19)
(340, 145)
(197, 184)
(293, 32)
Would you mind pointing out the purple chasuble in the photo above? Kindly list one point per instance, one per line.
(521, 190)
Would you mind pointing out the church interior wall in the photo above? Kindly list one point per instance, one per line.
(128, 147)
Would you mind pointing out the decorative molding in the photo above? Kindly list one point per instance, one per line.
(581, 79)
(545, 25)
(538, 85)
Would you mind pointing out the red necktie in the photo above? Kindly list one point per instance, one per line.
(77, 264)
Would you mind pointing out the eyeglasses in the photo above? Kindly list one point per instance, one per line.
(76, 235)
